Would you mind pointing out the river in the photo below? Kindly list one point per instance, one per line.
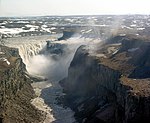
(54, 69)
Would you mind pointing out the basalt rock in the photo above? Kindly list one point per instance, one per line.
(66, 35)
(111, 85)
(15, 90)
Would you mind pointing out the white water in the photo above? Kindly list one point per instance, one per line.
(54, 70)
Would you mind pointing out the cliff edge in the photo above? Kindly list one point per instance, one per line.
(112, 83)
(15, 90)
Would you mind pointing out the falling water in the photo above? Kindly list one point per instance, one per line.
(54, 69)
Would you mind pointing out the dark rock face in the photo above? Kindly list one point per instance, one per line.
(15, 90)
(66, 35)
(54, 48)
(111, 89)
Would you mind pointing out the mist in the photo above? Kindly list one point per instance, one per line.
(55, 66)
(47, 66)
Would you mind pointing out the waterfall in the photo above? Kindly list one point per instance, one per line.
(28, 47)
(52, 64)
(28, 51)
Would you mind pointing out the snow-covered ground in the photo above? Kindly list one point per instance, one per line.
(14, 27)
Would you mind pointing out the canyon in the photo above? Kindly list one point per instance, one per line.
(106, 82)
(86, 69)
(111, 84)
(16, 90)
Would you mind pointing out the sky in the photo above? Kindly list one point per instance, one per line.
(72, 7)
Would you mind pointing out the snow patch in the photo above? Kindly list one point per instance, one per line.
(140, 28)
(2, 53)
(133, 25)
(31, 26)
(115, 52)
(132, 49)
(53, 28)
(5, 60)
(14, 30)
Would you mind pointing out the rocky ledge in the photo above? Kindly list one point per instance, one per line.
(112, 83)
(15, 90)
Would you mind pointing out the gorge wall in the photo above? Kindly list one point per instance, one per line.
(106, 86)
(15, 90)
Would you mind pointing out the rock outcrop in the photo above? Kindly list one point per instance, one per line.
(110, 85)
(66, 35)
(15, 90)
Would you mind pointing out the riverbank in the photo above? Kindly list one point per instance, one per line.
(47, 92)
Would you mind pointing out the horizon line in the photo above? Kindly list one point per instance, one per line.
(11, 16)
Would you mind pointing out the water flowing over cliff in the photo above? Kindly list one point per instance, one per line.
(75, 69)
(29, 50)
(53, 64)
(28, 47)
(50, 60)
(107, 82)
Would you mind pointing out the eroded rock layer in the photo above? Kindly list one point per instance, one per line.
(15, 90)
(110, 84)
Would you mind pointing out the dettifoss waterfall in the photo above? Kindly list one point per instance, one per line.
(46, 66)
(53, 66)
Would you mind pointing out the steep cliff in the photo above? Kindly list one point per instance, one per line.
(107, 85)
(66, 35)
(15, 90)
